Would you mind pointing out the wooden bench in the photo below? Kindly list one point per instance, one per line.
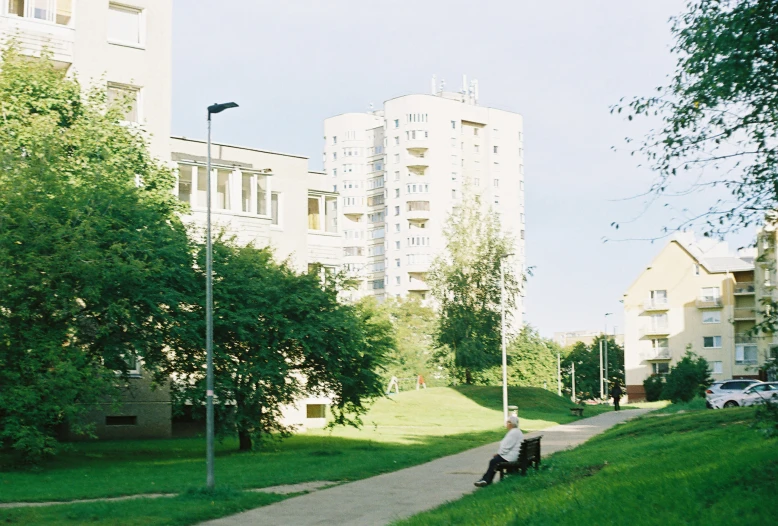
(529, 455)
(576, 411)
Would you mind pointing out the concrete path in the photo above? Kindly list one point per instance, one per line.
(392, 496)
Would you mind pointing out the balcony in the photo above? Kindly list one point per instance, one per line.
(659, 353)
(708, 302)
(33, 36)
(418, 210)
(654, 330)
(744, 313)
(656, 305)
(355, 210)
(744, 288)
(418, 285)
(744, 337)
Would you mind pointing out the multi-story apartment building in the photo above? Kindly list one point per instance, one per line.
(266, 198)
(695, 295)
(400, 171)
(124, 47)
(568, 339)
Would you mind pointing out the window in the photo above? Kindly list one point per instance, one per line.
(397, 140)
(453, 194)
(125, 25)
(397, 262)
(223, 189)
(477, 181)
(453, 125)
(658, 321)
(746, 354)
(495, 149)
(352, 251)
(711, 342)
(397, 192)
(315, 410)
(274, 208)
(329, 206)
(397, 245)
(476, 148)
(377, 284)
(496, 183)
(58, 11)
(711, 316)
(475, 132)
(375, 250)
(454, 159)
(396, 176)
(334, 139)
(716, 367)
(521, 185)
(658, 297)
(185, 183)
(660, 367)
(397, 227)
(696, 270)
(710, 295)
(397, 123)
(125, 97)
(397, 280)
(396, 158)
(334, 156)
(121, 420)
(396, 210)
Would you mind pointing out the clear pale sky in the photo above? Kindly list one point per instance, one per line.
(561, 64)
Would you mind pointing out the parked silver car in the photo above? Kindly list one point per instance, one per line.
(723, 387)
(755, 394)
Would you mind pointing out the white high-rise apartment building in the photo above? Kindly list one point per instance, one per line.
(400, 171)
(124, 46)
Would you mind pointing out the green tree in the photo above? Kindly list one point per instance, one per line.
(414, 326)
(689, 378)
(279, 335)
(719, 112)
(587, 368)
(533, 360)
(94, 268)
(465, 281)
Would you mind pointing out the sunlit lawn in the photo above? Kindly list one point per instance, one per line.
(400, 431)
(693, 467)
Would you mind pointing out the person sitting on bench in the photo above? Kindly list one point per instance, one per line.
(507, 452)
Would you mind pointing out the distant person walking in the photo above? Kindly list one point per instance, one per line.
(616, 393)
(393, 383)
(420, 382)
(507, 452)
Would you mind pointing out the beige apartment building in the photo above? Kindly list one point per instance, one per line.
(695, 295)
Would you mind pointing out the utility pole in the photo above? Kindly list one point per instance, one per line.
(573, 382)
(559, 373)
(605, 334)
(602, 389)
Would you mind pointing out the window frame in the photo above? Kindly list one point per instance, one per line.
(713, 346)
(141, 12)
(129, 88)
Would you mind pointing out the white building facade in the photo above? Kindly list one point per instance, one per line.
(124, 47)
(400, 171)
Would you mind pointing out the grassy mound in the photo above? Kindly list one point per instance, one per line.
(696, 467)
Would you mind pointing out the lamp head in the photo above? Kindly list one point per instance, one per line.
(218, 108)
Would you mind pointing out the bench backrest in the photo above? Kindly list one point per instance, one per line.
(530, 448)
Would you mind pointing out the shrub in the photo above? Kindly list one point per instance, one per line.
(653, 386)
(689, 378)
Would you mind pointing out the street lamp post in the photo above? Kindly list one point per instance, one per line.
(605, 345)
(502, 331)
(215, 108)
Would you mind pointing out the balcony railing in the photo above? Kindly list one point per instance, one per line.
(744, 337)
(708, 302)
(655, 330)
(745, 313)
(659, 353)
(745, 287)
(656, 304)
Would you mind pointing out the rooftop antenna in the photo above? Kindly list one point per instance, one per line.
(442, 85)
(371, 106)
(475, 95)
(471, 93)
(464, 84)
(434, 83)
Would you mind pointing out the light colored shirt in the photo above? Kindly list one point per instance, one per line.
(510, 445)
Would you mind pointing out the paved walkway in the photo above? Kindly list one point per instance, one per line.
(392, 496)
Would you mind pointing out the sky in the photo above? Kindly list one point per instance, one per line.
(560, 64)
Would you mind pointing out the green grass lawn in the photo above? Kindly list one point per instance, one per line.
(400, 431)
(683, 466)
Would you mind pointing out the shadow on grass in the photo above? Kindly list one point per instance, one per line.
(117, 468)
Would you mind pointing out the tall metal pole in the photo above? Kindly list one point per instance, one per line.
(573, 382)
(605, 345)
(602, 389)
(504, 352)
(209, 325)
(559, 373)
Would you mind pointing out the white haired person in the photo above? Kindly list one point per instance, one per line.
(507, 452)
